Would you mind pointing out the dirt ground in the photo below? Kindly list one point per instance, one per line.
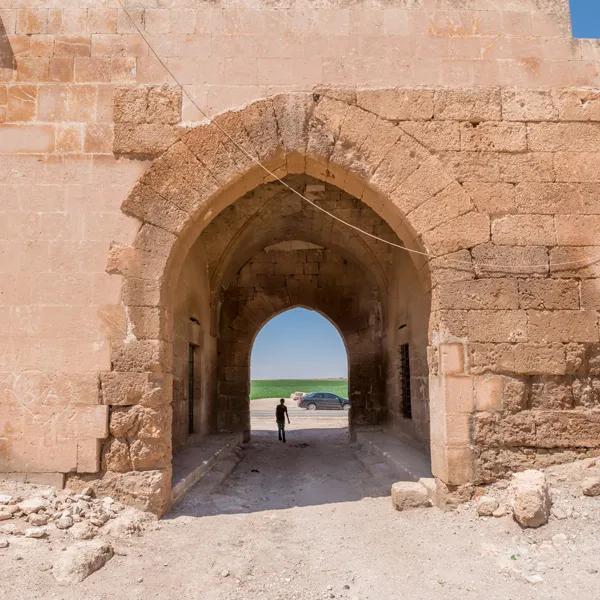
(309, 520)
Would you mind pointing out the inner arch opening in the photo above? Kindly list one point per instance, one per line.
(299, 355)
(268, 252)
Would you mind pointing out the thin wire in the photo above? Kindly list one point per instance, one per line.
(489, 266)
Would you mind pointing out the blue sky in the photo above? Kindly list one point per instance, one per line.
(585, 16)
(298, 344)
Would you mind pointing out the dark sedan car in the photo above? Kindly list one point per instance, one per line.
(323, 401)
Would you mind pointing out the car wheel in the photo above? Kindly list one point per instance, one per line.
(346, 407)
(312, 406)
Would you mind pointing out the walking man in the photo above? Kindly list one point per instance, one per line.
(280, 415)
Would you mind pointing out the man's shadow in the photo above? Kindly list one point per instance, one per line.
(7, 56)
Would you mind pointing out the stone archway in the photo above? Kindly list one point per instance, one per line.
(203, 173)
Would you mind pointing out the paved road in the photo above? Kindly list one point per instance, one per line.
(327, 425)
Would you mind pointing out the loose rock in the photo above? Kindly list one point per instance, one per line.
(6, 499)
(81, 560)
(32, 505)
(531, 498)
(36, 532)
(83, 531)
(591, 486)
(409, 494)
(64, 522)
(3, 543)
(486, 506)
(38, 519)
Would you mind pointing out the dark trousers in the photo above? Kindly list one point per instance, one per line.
(281, 430)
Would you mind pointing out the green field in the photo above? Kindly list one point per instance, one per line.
(284, 388)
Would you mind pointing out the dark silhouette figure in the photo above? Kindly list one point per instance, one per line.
(281, 414)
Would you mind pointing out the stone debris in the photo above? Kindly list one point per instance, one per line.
(32, 505)
(531, 498)
(38, 519)
(64, 522)
(3, 542)
(49, 513)
(36, 532)
(409, 494)
(81, 560)
(6, 499)
(83, 531)
(486, 506)
(591, 486)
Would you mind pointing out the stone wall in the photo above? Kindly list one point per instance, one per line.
(490, 158)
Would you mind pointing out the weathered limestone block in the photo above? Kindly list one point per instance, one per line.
(115, 456)
(409, 494)
(140, 356)
(496, 198)
(465, 231)
(539, 359)
(164, 105)
(578, 167)
(586, 392)
(397, 104)
(138, 421)
(567, 428)
(579, 105)
(393, 176)
(528, 105)
(437, 136)
(145, 204)
(504, 431)
(576, 137)
(292, 112)
(143, 140)
(551, 393)
(497, 325)
(451, 202)
(531, 498)
(548, 294)
(381, 138)
(480, 294)
(590, 293)
(494, 137)
(324, 127)
(123, 388)
(468, 105)
(130, 105)
(150, 453)
(491, 260)
(145, 120)
(215, 150)
(556, 198)
(180, 178)
(521, 230)
(261, 126)
(562, 326)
